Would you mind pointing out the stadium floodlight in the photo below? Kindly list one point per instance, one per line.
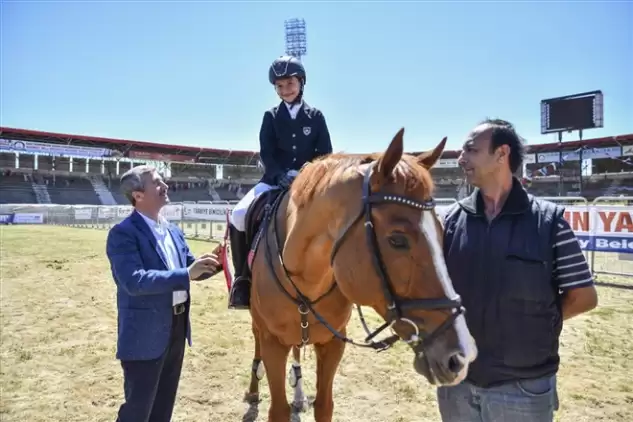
(296, 42)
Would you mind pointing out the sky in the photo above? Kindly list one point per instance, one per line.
(196, 73)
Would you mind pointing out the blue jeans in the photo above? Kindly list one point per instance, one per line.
(533, 400)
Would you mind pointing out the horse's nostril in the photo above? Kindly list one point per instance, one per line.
(456, 362)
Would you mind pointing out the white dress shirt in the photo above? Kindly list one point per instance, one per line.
(166, 243)
(293, 109)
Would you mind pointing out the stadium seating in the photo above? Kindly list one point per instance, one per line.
(7, 161)
(114, 186)
(189, 191)
(610, 184)
(75, 188)
(178, 191)
(16, 188)
(27, 178)
(69, 190)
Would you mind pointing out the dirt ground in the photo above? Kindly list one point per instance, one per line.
(58, 322)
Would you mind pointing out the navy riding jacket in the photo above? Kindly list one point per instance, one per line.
(287, 144)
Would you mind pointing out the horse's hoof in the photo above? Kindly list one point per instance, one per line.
(251, 398)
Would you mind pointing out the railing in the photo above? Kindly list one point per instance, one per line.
(604, 227)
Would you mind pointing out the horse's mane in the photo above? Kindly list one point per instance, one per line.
(319, 175)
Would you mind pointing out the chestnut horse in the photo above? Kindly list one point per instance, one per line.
(356, 229)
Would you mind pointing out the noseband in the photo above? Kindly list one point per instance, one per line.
(396, 304)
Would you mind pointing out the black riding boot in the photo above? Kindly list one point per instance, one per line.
(241, 286)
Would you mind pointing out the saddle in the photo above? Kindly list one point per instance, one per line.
(260, 211)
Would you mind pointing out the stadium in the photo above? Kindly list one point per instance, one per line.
(52, 185)
(73, 180)
(55, 168)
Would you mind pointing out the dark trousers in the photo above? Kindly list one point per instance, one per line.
(150, 385)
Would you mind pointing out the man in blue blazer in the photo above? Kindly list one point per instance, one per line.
(152, 267)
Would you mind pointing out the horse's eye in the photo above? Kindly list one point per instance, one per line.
(399, 241)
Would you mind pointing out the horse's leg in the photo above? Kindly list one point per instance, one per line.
(329, 357)
(296, 380)
(275, 357)
(257, 370)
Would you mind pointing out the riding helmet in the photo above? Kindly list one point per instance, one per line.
(285, 67)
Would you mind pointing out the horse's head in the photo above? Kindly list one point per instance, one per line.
(387, 254)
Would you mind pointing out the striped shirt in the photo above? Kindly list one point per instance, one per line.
(571, 270)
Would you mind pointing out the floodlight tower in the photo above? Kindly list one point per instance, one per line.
(296, 44)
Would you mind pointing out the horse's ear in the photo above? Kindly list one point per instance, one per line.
(391, 156)
(429, 158)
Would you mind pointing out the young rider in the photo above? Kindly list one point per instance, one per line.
(292, 134)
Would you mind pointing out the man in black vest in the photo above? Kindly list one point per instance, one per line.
(520, 271)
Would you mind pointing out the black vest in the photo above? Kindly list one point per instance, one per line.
(503, 271)
(288, 144)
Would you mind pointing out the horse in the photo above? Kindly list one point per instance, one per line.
(353, 229)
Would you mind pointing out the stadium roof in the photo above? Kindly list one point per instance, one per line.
(567, 145)
(593, 143)
(165, 152)
(152, 150)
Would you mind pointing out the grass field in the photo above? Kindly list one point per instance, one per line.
(58, 321)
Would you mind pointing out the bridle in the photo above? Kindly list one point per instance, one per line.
(396, 304)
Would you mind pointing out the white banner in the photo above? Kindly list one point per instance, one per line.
(107, 212)
(602, 228)
(554, 157)
(123, 211)
(600, 220)
(28, 218)
(83, 213)
(42, 148)
(206, 212)
(447, 163)
(548, 157)
(599, 228)
(172, 212)
(608, 152)
(529, 158)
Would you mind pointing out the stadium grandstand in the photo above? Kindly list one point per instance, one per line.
(53, 168)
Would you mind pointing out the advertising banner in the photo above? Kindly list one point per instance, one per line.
(43, 148)
(6, 218)
(83, 213)
(602, 228)
(206, 212)
(172, 212)
(28, 218)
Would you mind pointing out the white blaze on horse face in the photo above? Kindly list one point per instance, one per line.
(429, 229)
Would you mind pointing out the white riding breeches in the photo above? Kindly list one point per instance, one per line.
(238, 215)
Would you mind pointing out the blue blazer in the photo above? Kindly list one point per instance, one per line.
(145, 287)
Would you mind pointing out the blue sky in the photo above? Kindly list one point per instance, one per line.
(196, 73)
